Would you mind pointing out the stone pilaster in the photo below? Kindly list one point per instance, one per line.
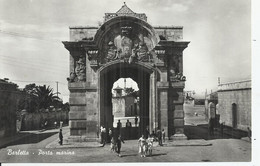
(178, 112)
(163, 106)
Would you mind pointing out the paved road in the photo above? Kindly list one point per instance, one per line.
(220, 150)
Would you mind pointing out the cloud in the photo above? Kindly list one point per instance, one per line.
(219, 32)
(176, 7)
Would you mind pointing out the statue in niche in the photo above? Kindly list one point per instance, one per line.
(142, 51)
(124, 43)
(112, 52)
(134, 54)
(176, 76)
(73, 77)
(80, 69)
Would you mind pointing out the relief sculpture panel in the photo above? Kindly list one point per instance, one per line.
(129, 46)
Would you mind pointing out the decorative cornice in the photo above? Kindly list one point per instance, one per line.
(173, 44)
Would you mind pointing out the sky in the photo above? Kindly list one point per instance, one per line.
(31, 32)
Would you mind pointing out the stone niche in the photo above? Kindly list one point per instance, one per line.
(125, 45)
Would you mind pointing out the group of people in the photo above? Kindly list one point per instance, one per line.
(145, 146)
(113, 137)
(158, 136)
(145, 142)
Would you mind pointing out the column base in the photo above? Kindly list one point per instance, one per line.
(179, 137)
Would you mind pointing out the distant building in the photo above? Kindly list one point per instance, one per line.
(212, 97)
(124, 106)
(9, 99)
(234, 104)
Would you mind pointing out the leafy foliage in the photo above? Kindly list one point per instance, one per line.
(39, 97)
(128, 91)
(45, 96)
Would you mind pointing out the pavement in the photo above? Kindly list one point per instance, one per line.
(22, 135)
(168, 143)
(43, 147)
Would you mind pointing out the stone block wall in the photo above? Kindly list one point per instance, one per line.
(170, 33)
(79, 33)
(35, 121)
(241, 96)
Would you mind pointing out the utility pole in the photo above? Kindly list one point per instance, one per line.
(125, 83)
(57, 88)
(218, 80)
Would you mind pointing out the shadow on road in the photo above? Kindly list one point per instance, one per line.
(160, 154)
(201, 132)
(129, 155)
(30, 138)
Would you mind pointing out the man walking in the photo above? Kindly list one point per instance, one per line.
(61, 137)
(103, 135)
(128, 129)
(163, 135)
(119, 126)
(119, 144)
(159, 136)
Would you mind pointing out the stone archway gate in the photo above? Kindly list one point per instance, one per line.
(127, 39)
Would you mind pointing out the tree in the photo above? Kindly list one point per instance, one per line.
(30, 89)
(29, 102)
(38, 97)
(45, 96)
(128, 91)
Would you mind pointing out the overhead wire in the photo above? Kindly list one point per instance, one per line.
(28, 36)
(36, 64)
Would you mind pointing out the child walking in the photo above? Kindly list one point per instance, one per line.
(113, 144)
(141, 145)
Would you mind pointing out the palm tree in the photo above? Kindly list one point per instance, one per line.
(45, 96)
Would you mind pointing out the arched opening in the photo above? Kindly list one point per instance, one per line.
(125, 107)
(234, 115)
(110, 74)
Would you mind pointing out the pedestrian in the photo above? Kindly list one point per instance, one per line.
(55, 124)
(119, 126)
(128, 129)
(61, 137)
(103, 135)
(153, 135)
(211, 127)
(112, 145)
(147, 133)
(222, 124)
(136, 120)
(150, 145)
(119, 144)
(45, 124)
(141, 145)
(163, 135)
(110, 134)
(159, 136)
